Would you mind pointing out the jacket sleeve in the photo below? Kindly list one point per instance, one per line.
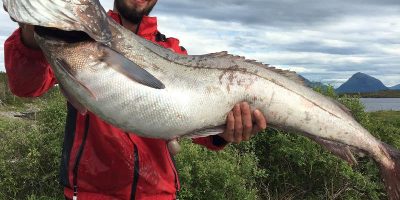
(28, 72)
(213, 142)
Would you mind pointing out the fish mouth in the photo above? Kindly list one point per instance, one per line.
(62, 35)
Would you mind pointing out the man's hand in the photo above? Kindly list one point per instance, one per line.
(26, 33)
(27, 36)
(239, 123)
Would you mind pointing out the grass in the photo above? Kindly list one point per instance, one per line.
(273, 165)
(390, 117)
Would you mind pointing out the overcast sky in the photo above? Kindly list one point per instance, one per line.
(323, 40)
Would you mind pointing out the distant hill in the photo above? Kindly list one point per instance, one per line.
(313, 84)
(396, 87)
(361, 83)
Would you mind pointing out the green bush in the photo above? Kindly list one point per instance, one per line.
(30, 153)
(273, 165)
(298, 168)
(6, 97)
(227, 174)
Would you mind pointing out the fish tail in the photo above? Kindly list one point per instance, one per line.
(74, 15)
(391, 174)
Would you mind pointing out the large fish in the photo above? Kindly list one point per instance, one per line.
(153, 92)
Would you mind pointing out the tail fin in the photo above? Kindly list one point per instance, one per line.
(391, 174)
(73, 15)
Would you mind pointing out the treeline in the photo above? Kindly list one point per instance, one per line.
(379, 94)
(4, 91)
(273, 165)
(8, 99)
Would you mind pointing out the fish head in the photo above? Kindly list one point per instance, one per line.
(77, 50)
(76, 53)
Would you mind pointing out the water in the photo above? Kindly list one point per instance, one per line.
(376, 104)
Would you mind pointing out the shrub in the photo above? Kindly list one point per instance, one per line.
(30, 153)
(273, 165)
(298, 168)
(227, 174)
(6, 97)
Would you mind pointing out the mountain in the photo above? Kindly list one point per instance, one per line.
(396, 87)
(313, 84)
(362, 83)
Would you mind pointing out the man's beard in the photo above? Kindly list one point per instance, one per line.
(131, 14)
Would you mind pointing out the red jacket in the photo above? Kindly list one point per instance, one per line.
(100, 161)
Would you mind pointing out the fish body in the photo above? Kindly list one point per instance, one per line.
(198, 92)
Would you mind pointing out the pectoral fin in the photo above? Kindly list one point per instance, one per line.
(206, 132)
(130, 69)
(66, 69)
(341, 150)
(74, 102)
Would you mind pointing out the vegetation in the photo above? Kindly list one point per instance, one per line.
(387, 117)
(30, 149)
(379, 94)
(273, 165)
(6, 97)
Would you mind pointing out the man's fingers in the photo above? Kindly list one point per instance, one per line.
(246, 121)
(261, 122)
(239, 123)
(237, 114)
(230, 127)
(174, 147)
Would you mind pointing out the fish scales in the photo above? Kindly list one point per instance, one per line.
(225, 73)
(182, 99)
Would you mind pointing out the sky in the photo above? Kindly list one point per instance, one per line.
(323, 40)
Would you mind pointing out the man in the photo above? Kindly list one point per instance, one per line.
(100, 161)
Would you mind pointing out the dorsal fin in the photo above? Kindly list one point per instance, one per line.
(189, 60)
(287, 73)
(217, 54)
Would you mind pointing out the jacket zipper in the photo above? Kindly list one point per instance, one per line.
(173, 166)
(136, 168)
(70, 128)
(136, 171)
(78, 158)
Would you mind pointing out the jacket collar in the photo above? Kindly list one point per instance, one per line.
(147, 27)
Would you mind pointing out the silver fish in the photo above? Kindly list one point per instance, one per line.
(144, 88)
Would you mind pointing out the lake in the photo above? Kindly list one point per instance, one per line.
(376, 104)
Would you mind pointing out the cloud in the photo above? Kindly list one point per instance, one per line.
(107, 4)
(6, 28)
(285, 13)
(323, 40)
